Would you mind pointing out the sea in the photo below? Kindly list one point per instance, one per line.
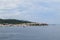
(50, 32)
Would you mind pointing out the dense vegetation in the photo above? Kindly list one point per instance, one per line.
(12, 21)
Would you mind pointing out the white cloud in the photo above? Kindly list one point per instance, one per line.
(7, 4)
(30, 9)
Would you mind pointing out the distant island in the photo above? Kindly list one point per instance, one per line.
(15, 22)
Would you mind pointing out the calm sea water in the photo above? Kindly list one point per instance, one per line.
(51, 32)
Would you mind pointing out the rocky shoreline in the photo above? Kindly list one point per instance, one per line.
(15, 22)
(25, 24)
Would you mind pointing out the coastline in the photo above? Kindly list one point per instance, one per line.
(15, 22)
(25, 24)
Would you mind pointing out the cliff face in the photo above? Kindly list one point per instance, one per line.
(13, 21)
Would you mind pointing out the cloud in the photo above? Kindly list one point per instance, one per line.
(7, 4)
(33, 10)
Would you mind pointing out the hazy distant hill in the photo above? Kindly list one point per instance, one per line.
(13, 21)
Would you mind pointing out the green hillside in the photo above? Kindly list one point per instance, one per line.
(13, 21)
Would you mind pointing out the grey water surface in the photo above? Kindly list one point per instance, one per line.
(51, 32)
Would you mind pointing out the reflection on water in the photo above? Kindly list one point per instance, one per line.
(51, 32)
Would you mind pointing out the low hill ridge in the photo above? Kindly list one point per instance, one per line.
(13, 21)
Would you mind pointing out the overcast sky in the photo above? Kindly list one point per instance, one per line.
(33, 10)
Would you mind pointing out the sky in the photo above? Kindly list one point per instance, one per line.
(42, 11)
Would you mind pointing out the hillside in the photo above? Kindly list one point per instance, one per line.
(13, 21)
